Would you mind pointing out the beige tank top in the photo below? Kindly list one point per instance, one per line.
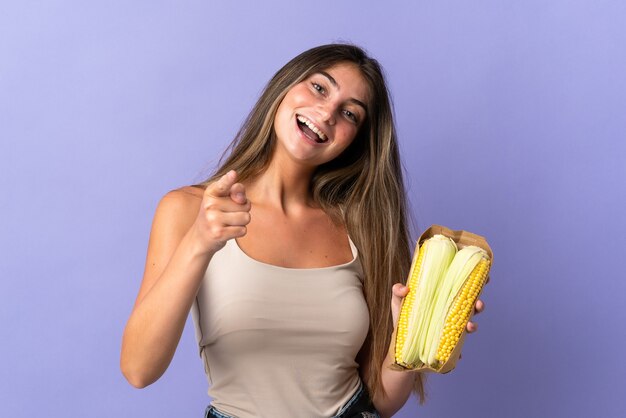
(280, 342)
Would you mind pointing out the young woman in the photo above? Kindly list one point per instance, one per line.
(287, 256)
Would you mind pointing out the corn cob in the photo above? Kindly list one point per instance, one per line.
(443, 287)
(437, 253)
(464, 300)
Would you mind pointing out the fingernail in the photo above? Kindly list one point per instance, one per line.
(240, 196)
(231, 174)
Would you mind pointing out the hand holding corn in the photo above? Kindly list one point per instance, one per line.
(399, 292)
(431, 314)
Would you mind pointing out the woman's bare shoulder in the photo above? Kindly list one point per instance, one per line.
(184, 196)
(194, 191)
(182, 204)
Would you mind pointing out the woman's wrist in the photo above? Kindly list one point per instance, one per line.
(196, 244)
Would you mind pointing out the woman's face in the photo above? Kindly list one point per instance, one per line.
(320, 116)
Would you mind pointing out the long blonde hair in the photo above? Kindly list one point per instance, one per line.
(362, 188)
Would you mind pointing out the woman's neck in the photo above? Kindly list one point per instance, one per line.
(284, 185)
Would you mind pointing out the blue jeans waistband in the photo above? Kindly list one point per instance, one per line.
(358, 406)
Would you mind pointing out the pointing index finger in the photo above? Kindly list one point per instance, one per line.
(221, 188)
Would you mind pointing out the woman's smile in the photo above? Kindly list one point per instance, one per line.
(310, 130)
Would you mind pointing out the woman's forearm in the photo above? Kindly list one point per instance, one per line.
(398, 386)
(157, 321)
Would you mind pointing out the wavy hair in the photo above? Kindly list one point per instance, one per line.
(362, 188)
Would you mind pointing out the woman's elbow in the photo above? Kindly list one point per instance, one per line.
(136, 380)
(137, 383)
(136, 377)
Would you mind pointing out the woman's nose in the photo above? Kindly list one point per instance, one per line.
(327, 113)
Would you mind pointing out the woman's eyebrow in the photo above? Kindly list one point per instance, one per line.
(330, 78)
(334, 83)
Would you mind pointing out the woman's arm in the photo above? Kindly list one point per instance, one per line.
(187, 230)
(398, 385)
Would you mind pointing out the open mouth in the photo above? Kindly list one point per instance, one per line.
(310, 130)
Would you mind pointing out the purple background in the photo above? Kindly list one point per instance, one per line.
(511, 122)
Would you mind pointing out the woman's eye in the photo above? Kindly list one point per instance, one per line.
(318, 87)
(350, 115)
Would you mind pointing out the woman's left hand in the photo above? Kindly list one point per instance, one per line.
(399, 291)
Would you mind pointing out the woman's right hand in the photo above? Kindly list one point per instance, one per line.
(224, 213)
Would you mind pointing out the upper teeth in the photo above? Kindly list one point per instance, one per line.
(312, 127)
